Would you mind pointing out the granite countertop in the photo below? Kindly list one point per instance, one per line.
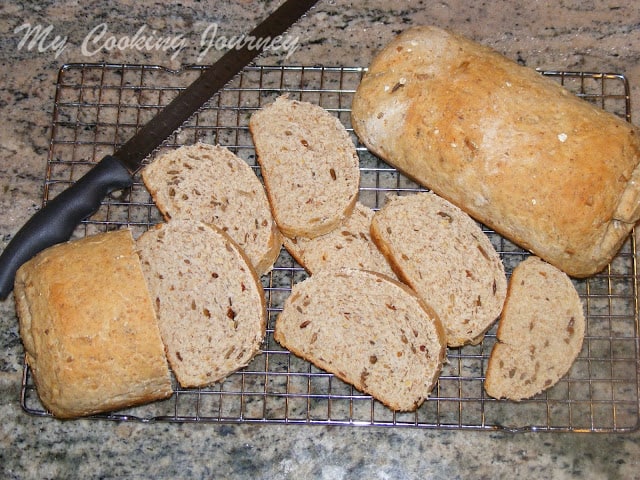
(598, 35)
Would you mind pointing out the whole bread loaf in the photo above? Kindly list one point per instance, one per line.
(445, 257)
(367, 329)
(88, 327)
(209, 300)
(540, 333)
(309, 166)
(512, 148)
(209, 183)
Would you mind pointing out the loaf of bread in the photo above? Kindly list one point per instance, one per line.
(209, 300)
(367, 329)
(348, 245)
(309, 166)
(210, 184)
(512, 148)
(540, 333)
(88, 327)
(442, 253)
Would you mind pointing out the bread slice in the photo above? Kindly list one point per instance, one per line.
(309, 165)
(440, 252)
(367, 329)
(210, 303)
(540, 333)
(211, 184)
(349, 245)
(88, 327)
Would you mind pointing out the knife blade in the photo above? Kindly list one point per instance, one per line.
(56, 221)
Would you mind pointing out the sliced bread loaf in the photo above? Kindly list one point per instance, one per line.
(540, 333)
(211, 184)
(89, 330)
(367, 329)
(210, 303)
(349, 245)
(440, 252)
(309, 165)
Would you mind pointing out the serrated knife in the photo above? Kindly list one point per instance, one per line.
(56, 221)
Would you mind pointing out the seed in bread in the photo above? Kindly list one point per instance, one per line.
(540, 333)
(309, 166)
(367, 329)
(349, 245)
(211, 184)
(89, 329)
(549, 171)
(209, 300)
(440, 252)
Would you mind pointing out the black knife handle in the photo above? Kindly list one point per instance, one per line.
(56, 221)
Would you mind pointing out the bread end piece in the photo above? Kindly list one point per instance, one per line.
(540, 334)
(89, 329)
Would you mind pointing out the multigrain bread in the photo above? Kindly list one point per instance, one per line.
(88, 327)
(309, 166)
(367, 329)
(540, 333)
(349, 245)
(210, 184)
(209, 301)
(440, 252)
(512, 148)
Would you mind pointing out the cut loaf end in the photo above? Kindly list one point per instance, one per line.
(540, 332)
(88, 327)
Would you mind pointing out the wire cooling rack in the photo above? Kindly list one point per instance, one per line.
(100, 106)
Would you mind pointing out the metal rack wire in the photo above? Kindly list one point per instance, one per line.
(99, 106)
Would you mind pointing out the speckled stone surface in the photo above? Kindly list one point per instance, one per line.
(601, 35)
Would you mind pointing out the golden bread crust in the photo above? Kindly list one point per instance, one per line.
(512, 148)
(89, 328)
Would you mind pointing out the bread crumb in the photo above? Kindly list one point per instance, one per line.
(562, 137)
